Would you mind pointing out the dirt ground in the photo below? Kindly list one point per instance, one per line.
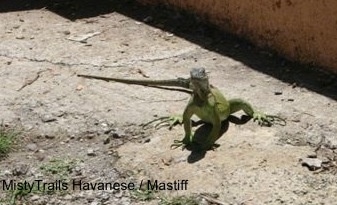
(93, 127)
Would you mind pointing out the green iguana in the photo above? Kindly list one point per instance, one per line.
(206, 102)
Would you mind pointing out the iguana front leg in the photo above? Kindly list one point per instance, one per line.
(170, 121)
(261, 118)
(213, 118)
(187, 128)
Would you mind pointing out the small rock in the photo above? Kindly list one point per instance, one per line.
(204, 202)
(332, 140)
(312, 163)
(40, 156)
(20, 37)
(104, 16)
(21, 169)
(119, 194)
(90, 135)
(105, 197)
(80, 195)
(52, 201)
(108, 131)
(125, 201)
(31, 147)
(117, 134)
(278, 93)
(5, 173)
(168, 34)
(35, 197)
(106, 140)
(125, 44)
(78, 171)
(49, 137)
(48, 118)
(68, 197)
(312, 155)
(91, 153)
(59, 113)
(148, 19)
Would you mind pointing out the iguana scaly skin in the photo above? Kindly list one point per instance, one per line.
(206, 102)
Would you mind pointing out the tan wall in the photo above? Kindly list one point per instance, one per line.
(302, 30)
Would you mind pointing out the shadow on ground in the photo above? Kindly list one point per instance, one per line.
(188, 27)
(201, 133)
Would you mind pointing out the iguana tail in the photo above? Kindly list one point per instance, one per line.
(179, 82)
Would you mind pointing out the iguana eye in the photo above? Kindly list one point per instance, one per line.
(202, 72)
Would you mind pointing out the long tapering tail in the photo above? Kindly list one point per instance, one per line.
(179, 82)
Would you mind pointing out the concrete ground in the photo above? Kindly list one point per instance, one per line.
(97, 124)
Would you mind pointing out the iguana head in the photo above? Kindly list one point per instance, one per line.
(199, 80)
(198, 74)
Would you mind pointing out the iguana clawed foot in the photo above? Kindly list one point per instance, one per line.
(169, 121)
(178, 143)
(203, 147)
(182, 143)
(188, 142)
(268, 120)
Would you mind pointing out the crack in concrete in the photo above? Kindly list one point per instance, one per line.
(181, 53)
(60, 63)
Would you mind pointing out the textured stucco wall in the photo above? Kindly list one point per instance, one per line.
(301, 30)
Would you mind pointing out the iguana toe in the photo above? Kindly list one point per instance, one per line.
(268, 120)
(169, 121)
(273, 119)
(178, 143)
(262, 119)
(182, 143)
